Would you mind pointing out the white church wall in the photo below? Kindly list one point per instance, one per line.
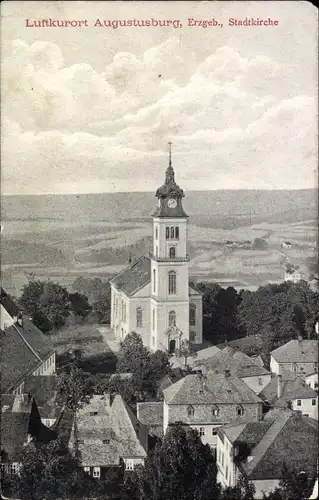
(145, 329)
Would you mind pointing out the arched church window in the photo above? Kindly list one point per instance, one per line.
(167, 233)
(192, 315)
(154, 280)
(139, 317)
(172, 283)
(190, 411)
(172, 233)
(172, 318)
(177, 233)
(153, 319)
(156, 233)
(172, 252)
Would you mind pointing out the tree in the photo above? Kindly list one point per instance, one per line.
(74, 388)
(186, 350)
(79, 304)
(48, 471)
(47, 303)
(294, 485)
(181, 467)
(244, 490)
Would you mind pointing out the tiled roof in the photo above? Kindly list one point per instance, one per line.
(17, 360)
(39, 342)
(297, 351)
(43, 389)
(9, 304)
(14, 433)
(248, 432)
(209, 389)
(239, 364)
(292, 387)
(276, 447)
(150, 413)
(107, 432)
(134, 277)
(245, 344)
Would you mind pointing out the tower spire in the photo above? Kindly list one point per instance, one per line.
(170, 175)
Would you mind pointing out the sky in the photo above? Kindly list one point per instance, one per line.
(91, 109)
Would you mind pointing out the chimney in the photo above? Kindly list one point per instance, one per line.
(227, 373)
(279, 386)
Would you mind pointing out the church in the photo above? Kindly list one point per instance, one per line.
(152, 296)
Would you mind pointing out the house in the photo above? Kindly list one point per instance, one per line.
(299, 356)
(312, 380)
(44, 390)
(239, 365)
(20, 424)
(106, 433)
(206, 402)
(179, 362)
(25, 351)
(291, 390)
(259, 450)
(153, 296)
(150, 414)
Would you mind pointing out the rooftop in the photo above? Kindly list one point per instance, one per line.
(107, 430)
(213, 388)
(269, 444)
(150, 413)
(297, 351)
(239, 364)
(43, 389)
(292, 387)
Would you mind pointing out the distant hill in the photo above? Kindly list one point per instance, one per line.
(208, 208)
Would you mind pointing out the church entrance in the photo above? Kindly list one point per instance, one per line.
(172, 346)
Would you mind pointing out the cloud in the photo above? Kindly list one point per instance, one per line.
(235, 121)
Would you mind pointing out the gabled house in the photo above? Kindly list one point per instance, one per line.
(239, 365)
(291, 391)
(25, 350)
(20, 424)
(260, 450)
(44, 390)
(105, 433)
(299, 356)
(207, 402)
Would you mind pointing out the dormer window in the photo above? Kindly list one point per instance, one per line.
(190, 411)
(239, 410)
(105, 441)
(215, 410)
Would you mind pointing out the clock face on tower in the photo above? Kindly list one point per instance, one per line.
(172, 203)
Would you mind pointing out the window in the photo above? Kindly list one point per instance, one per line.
(154, 280)
(298, 402)
(116, 307)
(80, 441)
(105, 441)
(172, 233)
(172, 283)
(202, 431)
(47, 423)
(176, 233)
(92, 413)
(214, 431)
(156, 233)
(215, 411)
(153, 319)
(240, 410)
(14, 468)
(86, 470)
(190, 411)
(172, 253)
(123, 311)
(172, 318)
(294, 367)
(306, 414)
(129, 465)
(2, 470)
(260, 381)
(226, 472)
(192, 336)
(313, 402)
(153, 341)
(192, 314)
(222, 459)
(139, 317)
(156, 251)
(316, 385)
(96, 472)
(218, 454)
(167, 233)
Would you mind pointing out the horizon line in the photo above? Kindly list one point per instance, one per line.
(147, 192)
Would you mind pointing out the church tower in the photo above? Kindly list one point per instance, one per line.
(169, 267)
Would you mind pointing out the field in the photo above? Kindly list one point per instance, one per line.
(70, 243)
